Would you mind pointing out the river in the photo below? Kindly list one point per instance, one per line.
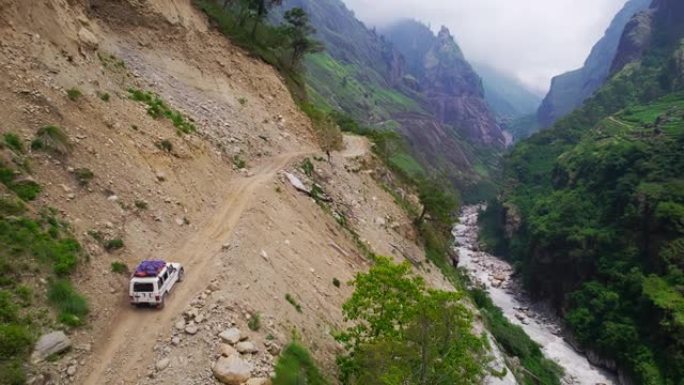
(537, 321)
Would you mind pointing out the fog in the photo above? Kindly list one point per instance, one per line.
(532, 40)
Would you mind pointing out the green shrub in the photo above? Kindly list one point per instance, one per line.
(295, 367)
(164, 145)
(141, 205)
(13, 141)
(239, 162)
(307, 167)
(157, 108)
(15, 340)
(52, 139)
(12, 372)
(74, 94)
(289, 298)
(104, 96)
(26, 190)
(336, 282)
(119, 267)
(83, 176)
(114, 244)
(254, 322)
(72, 306)
(242, 101)
(10, 206)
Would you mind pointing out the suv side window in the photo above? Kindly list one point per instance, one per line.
(160, 283)
(166, 275)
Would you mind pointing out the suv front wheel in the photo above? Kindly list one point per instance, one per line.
(181, 274)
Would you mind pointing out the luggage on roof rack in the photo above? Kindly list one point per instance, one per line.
(149, 268)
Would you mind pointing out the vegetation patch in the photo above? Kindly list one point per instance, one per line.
(157, 108)
(406, 331)
(13, 141)
(295, 366)
(289, 298)
(254, 323)
(119, 267)
(83, 176)
(114, 244)
(74, 94)
(52, 139)
(30, 247)
(72, 306)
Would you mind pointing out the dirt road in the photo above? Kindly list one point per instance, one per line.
(123, 355)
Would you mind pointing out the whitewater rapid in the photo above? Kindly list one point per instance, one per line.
(495, 275)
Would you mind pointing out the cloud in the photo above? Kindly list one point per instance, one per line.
(532, 40)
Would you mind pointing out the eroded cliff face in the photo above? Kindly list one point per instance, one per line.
(569, 90)
(446, 82)
(455, 92)
(662, 25)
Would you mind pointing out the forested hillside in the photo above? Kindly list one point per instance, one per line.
(431, 96)
(593, 210)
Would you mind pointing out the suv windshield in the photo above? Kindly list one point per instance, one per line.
(143, 287)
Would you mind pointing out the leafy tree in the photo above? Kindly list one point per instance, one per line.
(406, 333)
(299, 30)
(259, 10)
(438, 202)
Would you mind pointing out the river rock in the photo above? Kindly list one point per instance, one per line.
(49, 344)
(226, 350)
(246, 347)
(231, 336)
(232, 370)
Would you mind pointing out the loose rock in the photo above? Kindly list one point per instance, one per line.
(162, 364)
(246, 347)
(49, 344)
(232, 370)
(231, 336)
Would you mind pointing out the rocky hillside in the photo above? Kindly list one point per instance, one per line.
(569, 90)
(431, 95)
(135, 131)
(592, 207)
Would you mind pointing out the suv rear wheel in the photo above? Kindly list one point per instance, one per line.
(162, 302)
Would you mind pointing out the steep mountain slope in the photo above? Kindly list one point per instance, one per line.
(432, 97)
(193, 172)
(593, 207)
(568, 91)
(507, 97)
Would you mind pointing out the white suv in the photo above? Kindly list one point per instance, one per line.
(152, 281)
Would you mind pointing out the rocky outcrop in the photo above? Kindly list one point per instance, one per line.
(450, 87)
(635, 39)
(569, 90)
(664, 19)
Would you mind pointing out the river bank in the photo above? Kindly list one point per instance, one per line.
(495, 275)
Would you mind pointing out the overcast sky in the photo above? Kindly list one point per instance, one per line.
(533, 40)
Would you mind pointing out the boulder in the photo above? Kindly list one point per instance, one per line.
(258, 381)
(232, 370)
(246, 347)
(49, 344)
(88, 38)
(227, 350)
(231, 336)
